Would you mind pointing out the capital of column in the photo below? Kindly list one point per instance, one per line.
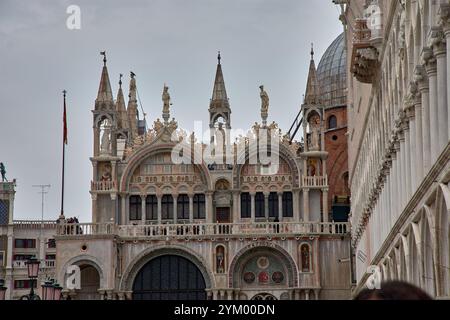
(438, 41)
(444, 14)
(420, 77)
(429, 60)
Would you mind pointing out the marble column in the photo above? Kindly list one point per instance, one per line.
(325, 217)
(418, 141)
(445, 12)
(296, 204)
(124, 199)
(252, 205)
(236, 202)
(175, 208)
(422, 81)
(280, 206)
(209, 207)
(266, 205)
(407, 163)
(441, 62)
(191, 208)
(143, 209)
(431, 68)
(159, 198)
(306, 204)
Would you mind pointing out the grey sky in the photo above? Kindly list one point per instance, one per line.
(173, 41)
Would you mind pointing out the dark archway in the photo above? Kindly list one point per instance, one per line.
(90, 283)
(169, 277)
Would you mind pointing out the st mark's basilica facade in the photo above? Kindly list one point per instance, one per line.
(238, 229)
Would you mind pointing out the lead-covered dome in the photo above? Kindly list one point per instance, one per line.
(332, 74)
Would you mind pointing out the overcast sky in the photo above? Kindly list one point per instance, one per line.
(162, 41)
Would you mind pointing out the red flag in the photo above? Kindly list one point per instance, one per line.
(65, 121)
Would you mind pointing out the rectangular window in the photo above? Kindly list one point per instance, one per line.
(51, 243)
(24, 284)
(167, 207)
(183, 207)
(151, 207)
(135, 208)
(199, 206)
(288, 211)
(245, 206)
(259, 205)
(2, 258)
(273, 205)
(25, 243)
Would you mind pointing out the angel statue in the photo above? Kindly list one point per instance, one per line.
(264, 103)
(166, 103)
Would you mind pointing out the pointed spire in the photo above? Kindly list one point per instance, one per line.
(104, 94)
(312, 95)
(122, 115)
(132, 110)
(219, 96)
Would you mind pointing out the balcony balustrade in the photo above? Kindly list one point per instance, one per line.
(204, 230)
(103, 185)
(315, 182)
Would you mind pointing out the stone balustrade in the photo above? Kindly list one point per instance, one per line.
(315, 182)
(199, 230)
(103, 185)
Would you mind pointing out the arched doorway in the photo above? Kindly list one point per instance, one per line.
(90, 283)
(169, 277)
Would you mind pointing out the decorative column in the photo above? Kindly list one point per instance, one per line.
(175, 208)
(418, 139)
(159, 198)
(439, 49)
(422, 82)
(209, 207)
(306, 204)
(445, 17)
(123, 203)
(143, 209)
(325, 217)
(280, 206)
(431, 68)
(296, 204)
(252, 205)
(236, 202)
(266, 205)
(191, 208)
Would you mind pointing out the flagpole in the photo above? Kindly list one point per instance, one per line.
(61, 216)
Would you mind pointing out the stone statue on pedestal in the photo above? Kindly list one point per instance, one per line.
(264, 105)
(166, 103)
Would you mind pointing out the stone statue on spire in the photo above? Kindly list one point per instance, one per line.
(3, 172)
(264, 105)
(166, 104)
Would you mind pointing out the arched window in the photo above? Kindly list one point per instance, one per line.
(259, 205)
(332, 122)
(305, 254)
(288, 211)
(245, 205)
(151, 207)
(220, 259)
(183, 207)
(273, 205)
(167, 207)
(135, 208)
(199, 206)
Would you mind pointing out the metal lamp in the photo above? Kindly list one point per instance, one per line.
(47, 290)
(33, 267)
(57, 291)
